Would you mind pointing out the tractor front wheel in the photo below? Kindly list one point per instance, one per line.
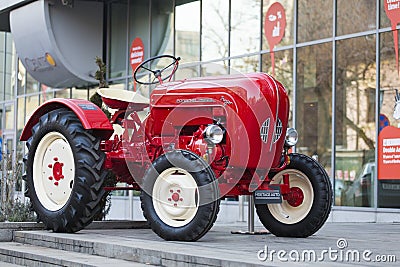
(180, 196)
(307, 206)
(64, 172)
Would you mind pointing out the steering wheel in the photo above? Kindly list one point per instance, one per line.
(142, 69)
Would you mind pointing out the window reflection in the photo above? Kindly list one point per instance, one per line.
(245, 26)
(314, 20)
(215, 29)
(63, 93)
(32, 103)
(21, 78)
(214, 68)
(139, 13)
(118, 41)
(162, 36)
(185, 72)
(245, 64)
(355, 132)
(283, 66)
(314, 102)
(355, 16)
(187, 26)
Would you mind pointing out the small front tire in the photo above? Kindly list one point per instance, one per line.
(180, 196)
(307, 210)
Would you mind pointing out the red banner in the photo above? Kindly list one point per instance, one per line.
(137, 53)
(389, 153)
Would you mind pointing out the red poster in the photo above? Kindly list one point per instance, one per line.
(137, 53)
(389, 153)
(274, 28)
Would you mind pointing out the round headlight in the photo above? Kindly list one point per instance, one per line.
(291, 137)
(214, 134)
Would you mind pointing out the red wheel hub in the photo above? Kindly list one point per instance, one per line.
(57, 171)
(175, 197)
(295, 197)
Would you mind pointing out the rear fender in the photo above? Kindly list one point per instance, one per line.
(90, 115)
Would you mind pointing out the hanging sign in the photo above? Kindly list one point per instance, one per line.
(392, 8)
(136, 55)
(274, 28)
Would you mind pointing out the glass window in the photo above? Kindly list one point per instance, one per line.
(185, 72)
(2, 38)
(32, 103)
(2, 76)
(139, 14)
(9, 86)
(32, 86)
(314, 20)
(63, 93)
(162, 34)
(314, 102)
(355, 132)
(215, 31)
(47, 93)
(283, 66)
(187, 27)
(10, 67)
(281, 31)
(9, 125)
(20, 124)
(21, 115)
(214, 68)
(355, 16)
(245, 26)
(79, 93)
(118, 41)
(21, 78)
(245, 64)
(389, 125)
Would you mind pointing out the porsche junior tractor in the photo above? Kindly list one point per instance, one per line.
(192, 143)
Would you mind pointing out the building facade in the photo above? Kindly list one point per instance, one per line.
(338, 60)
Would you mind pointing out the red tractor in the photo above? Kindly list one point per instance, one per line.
(192, 143)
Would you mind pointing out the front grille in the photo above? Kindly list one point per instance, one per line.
(278, 130)
(264, 130)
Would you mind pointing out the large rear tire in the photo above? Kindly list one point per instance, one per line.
(64, 174)
(307, 210)
(180, 196)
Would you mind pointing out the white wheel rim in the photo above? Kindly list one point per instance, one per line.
(53, 171)
(175, 197)
(286, 213)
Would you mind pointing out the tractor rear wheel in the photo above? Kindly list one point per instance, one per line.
(306, 207)
(64, 174)
(180, 196)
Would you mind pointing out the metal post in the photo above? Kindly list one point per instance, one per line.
(130, 204)
(250, 221)
(241, 208)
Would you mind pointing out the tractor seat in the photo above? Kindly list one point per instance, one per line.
(121, 99)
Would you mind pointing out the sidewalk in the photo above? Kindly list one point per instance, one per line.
(336, 244)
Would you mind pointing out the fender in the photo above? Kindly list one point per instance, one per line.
(90, 115)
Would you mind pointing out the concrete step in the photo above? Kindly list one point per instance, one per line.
(17, 254)
(141, 246)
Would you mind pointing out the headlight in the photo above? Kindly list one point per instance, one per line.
(214, 134)
(291, 137)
